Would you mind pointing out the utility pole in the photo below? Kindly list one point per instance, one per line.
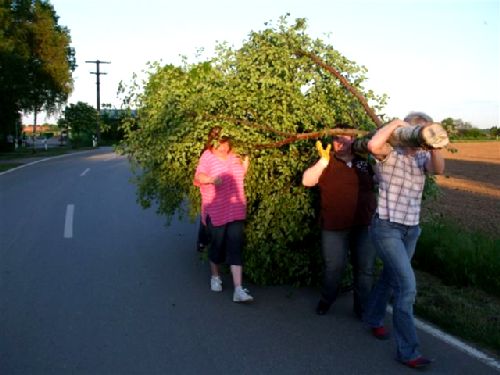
(98, 83)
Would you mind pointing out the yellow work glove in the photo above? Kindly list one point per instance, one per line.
(323, 154)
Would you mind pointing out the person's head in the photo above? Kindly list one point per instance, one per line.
(223, 145)
(342, 144)
(213, 134)
(418, 118)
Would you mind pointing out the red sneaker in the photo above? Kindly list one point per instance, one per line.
(381, 333)
(418, 362)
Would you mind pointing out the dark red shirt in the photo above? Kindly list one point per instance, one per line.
(347, 194)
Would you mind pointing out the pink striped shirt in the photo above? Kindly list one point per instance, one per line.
(226, 202)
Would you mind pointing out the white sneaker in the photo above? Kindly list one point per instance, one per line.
(216, 284)
(242, 295)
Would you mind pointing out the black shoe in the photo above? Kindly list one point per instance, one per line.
(322, 307)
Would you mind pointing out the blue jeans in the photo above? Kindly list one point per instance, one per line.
(395, 244)
(336, 246)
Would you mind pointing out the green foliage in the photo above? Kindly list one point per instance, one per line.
(450, 127)
(81, 140)
(260, 94)
(110, 125)
(494, 132)
(431, 188)
(472, 133)
(81, 121)
(6, 166)
(460, 130)
(36, 60)
(459, 257)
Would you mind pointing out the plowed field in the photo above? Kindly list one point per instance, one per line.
(471, 187)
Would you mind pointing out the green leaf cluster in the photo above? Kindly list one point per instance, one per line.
(261, 93)
(36, 60)
(80, 120)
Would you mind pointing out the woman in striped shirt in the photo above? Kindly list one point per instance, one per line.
(220, 176)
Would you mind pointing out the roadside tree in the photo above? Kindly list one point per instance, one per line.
(450, 126)
(36, 60)
(494, 132)
(80, 120)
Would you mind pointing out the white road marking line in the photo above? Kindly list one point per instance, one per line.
(26, 165)
(41, 160)
(453, 341)
(85, 172)
(68, 221)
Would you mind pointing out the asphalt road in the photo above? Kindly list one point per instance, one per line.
(90, 283)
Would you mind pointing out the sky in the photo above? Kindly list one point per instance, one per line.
(437, 56)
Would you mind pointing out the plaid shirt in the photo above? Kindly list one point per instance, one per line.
(401, 180)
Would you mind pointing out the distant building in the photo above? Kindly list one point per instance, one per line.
(28, 129)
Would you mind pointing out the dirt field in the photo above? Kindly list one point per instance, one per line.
(471, 186)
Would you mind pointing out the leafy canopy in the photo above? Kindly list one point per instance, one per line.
(36, 60)
(80, 118)
(268, 96)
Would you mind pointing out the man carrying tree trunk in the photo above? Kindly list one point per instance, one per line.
(395, 230)
(347, 205)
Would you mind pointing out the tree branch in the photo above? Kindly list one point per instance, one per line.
(313, 135)
(345, 83)
(290, 137)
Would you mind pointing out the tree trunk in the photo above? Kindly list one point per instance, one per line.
(432, 136)
(34, 130)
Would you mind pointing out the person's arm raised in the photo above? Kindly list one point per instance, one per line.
(378, 145)
(311, 175)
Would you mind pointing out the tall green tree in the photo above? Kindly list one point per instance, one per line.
(275, 101)
(450, 126)
(36, 60)
(494, 132)
(80, 120)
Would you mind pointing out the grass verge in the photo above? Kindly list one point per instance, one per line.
(13, 159)
(459, 257)
(468, 313)
(458, 283)
(6, 166)
(22, 153)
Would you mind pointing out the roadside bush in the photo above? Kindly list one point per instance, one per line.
(81, 140)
